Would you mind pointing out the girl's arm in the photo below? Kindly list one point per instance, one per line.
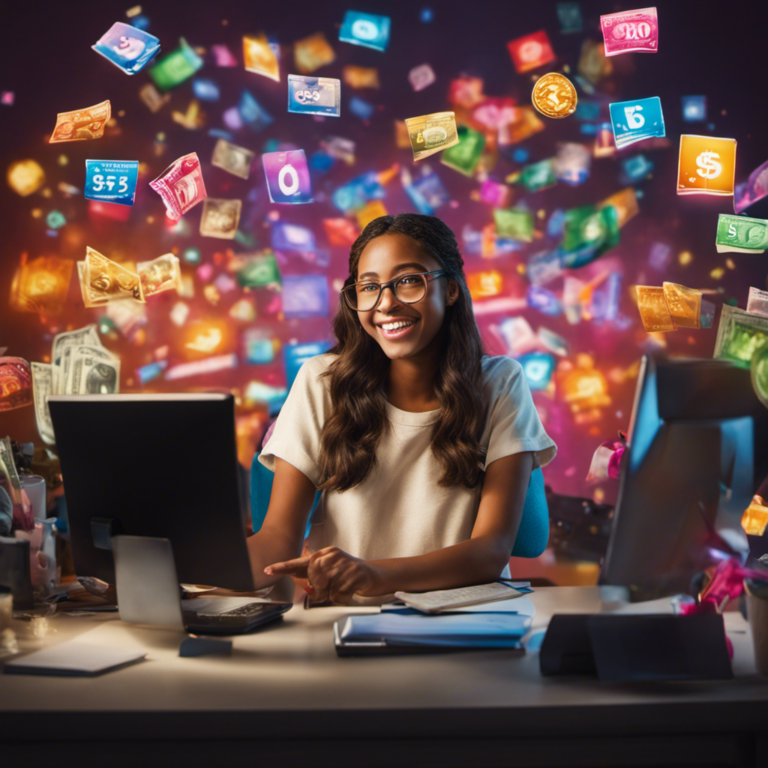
(282, 533)
(481, 558)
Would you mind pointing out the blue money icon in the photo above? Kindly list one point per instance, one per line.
(111, 181)
(694, 108)
(127, 47)
(314, 95)
(365, 29)
(636, 120)
(252, 113)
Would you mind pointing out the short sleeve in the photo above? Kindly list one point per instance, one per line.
(515, 425)
(296, 434)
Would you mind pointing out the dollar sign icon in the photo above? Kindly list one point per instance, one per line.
(708, 168)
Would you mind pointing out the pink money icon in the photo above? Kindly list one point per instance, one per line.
(631, 31)
(181, 185)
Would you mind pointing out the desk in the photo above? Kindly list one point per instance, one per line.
(285, 695)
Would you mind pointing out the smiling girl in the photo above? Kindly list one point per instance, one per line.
(422, 444)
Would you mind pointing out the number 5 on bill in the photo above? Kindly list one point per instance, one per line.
(111, 181)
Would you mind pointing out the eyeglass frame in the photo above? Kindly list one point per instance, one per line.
(390, 284)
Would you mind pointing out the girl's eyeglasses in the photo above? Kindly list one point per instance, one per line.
(410, 288)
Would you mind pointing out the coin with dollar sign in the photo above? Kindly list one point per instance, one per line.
(554, 95)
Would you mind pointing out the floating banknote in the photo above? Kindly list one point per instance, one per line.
(152, 97)
(180, 185)
(432, 133)
(232, 158)
(757, 303)
(630, 31)
(531, 51)
(706, 165)
(93, 371)
(41, 285)
(525, 125)
(160, 274)
(15, 383)
(252, 113)
(127, 47)
(569, 16)
(588, 232)
(42, 388)
(360, 77)
(81, 124)
(259, 271)
(653, 309)
(759, 372)
(572, 163)
(314, 95)
(106, 279)
(636, 120)
(625, 203)
(739, 335)
(192, 119)
(259, 57)
(420, 77)
(220, 218)
(684, 305)
(62, 342)
(514, 223)
(175, 67)
(464, 157)
(741, 234)
(111, 181)
(287, 175)
(87, 302)
(755, 188)
(312, 52)
(365, 29)
(554, 95)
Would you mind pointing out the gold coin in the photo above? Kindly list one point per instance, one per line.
(554, 95)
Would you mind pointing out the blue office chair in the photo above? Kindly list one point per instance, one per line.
(532, 535)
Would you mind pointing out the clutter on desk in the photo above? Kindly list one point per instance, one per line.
(440, 600)
(74, 658)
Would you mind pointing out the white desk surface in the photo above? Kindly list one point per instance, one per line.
(292, 665)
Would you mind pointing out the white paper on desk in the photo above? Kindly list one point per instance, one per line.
(74, 658)
(393, 626)
(219, 604)
(521, 605)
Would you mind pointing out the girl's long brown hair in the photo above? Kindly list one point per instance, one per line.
(358, 376)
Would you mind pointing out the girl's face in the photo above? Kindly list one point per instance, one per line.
(392, 256)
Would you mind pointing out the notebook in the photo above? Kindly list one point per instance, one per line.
(449, 599)
(74, 658)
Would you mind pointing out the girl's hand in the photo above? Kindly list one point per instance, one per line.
(332, 574)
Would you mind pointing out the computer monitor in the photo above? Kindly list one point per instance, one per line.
(155, 465)
(697, 451)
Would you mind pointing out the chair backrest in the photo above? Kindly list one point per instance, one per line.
(532, 536)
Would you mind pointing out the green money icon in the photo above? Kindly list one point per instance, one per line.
(588, 233)
(760, 373)
(538, 175)
(741, 234)
(464, 156)
(739, 335)
(175, 67)
(514, 223)
(259, 271)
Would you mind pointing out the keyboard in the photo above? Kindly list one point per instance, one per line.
(234, 622)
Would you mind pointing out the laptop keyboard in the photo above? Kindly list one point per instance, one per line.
(244, 611)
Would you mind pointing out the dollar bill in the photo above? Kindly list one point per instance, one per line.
(628, 31)
(106, 279)
(232, 158)
(160, 274)
(741, 234)
(175, 67)
(314, 95)
(220, 218)
(757, 303)
(755, 188)
(180, 185)
(93, 371)
(152, 98)
(15, 383)
(87, 335)
(432, 133)
(361, 77)
(81, 279)
(465, 156)
(42, 387)
(653, 309)
(739, 335)
(81, 124)
(684, 305)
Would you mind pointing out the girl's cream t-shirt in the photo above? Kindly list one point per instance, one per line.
(399, 510)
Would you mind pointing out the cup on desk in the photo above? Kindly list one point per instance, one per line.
(34, 485)
(757, 613)
(42, 554)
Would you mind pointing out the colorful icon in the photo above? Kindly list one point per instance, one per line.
(706, 165)
(287, 176)
(127, 47)
(636, 120)
(111, 181)
(365, 29)
(531, 51)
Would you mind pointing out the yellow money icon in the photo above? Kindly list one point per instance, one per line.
(554, 95)
(432, 133)
(653, 309)
(684, 304)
